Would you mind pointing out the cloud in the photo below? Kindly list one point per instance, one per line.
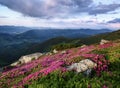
(27, 7)
(117, 20)
(3, 17)
(47, 8)
(102, 9)
(57, 8)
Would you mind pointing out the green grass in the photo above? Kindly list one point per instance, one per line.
(73, 80)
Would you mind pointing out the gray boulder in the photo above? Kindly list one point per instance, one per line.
(55, 51)
(82, 66)
(27, 58)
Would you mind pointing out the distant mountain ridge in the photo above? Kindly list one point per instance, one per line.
(21, 29)
(13, 29)
(15, 45)
(10, 35)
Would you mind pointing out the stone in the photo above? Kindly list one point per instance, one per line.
(15, 63)
(88, 72)
(82, 66)
(48, 53)
(83, 46)
(26, 59)
(103, 41)
(63, 52)
(30, 57)
(55, 51)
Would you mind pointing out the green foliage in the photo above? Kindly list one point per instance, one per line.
(57, 80)
(97, 38)
(68, 45)
(63, 46)
(103, 51)
(73, 80)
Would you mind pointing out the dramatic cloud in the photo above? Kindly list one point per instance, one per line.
(46, 8)
(57, 8)
(117, 20)
(101, 9)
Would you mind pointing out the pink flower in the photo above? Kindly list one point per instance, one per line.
(104, 86)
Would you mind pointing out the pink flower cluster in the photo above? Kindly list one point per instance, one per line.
(102, 64)
(87, 49)
(50, 63)
(100, 60)
(53, 66)
(105, 45)
(86, 55)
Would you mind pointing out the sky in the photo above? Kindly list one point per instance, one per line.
(95, 14)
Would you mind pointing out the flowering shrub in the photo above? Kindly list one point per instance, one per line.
(42, 67)
(105, 45)
(102, 64)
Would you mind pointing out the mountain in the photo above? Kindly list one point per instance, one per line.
(6, 39)
(70, 33)
(13, 29)
(42, 35)
(15, 45)
(15, 35)
(40, 47)
(21, 29)
(96, 38)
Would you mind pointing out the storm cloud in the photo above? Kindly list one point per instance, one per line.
(57, 8)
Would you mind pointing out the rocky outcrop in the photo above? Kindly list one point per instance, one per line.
(15, 63)
(27, 58)
(83, 46)
(63, 52)
(103, 41)
(82, 66)
(48, 53)
(55, 51)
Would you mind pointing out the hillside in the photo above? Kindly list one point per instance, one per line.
(18, 41)
(53, 70)
(108, 36)
(19, 48)
(74, 42)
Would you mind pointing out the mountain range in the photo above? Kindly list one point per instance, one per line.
(17, 41)
(10, 35)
